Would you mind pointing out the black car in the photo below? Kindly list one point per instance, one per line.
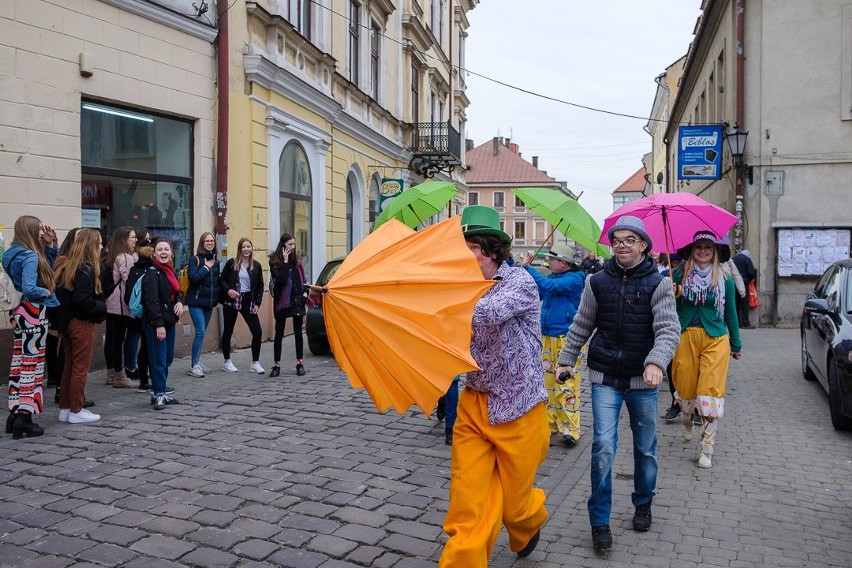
(315, 321)
(827, 340)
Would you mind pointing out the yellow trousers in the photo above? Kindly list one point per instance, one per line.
(700, 371)
(563, 401)
(492, 475)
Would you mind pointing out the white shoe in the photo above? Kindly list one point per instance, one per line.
(228, 366)
(687, 430)
(82, 417)
(704, 461)
(63, 414)
(256, 368)
(196, 371)
(204, 368)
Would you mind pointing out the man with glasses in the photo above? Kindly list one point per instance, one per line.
(630, 308)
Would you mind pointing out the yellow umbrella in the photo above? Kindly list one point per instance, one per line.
(398, 313)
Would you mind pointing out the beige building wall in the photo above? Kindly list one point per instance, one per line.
(141, 56)
(797, 108)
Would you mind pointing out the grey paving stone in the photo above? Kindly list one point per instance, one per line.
(255, 549)
(107, 555)
(164, 547)
(203, 557)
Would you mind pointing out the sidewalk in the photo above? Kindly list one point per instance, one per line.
(250, 471)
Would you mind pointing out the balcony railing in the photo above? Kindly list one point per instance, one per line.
(435, 146)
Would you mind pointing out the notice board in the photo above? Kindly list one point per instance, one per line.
(809, 252)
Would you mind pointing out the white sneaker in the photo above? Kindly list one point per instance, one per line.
(63, 414)
(704, 461)
(256, 368)
(196, 371)
(82, 417)
(204, 368)
(687, 430)
(228, 366)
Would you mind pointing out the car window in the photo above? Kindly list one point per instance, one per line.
(832, 288)
(848, 292)
(327, 273)
(822, 288)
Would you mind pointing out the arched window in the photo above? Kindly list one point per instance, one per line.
(374, 201)
(294, 199)
(351, 189)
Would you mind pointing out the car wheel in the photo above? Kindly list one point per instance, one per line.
(319, 346)
(835, 404)
(806, 369)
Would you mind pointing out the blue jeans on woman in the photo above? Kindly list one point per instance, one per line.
(200, 320)
(131, 345)
(160, 357)
(606, 409)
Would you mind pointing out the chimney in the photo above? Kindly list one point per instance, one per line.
(468, 144)
(514, 148)
(495, 145)
(535, 162)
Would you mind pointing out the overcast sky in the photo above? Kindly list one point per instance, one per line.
(603, 54)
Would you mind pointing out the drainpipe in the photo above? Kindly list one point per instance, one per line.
(224, 88)
(740, 118)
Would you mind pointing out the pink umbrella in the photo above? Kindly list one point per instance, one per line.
(671, 219)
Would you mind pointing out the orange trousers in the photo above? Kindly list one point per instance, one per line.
(492, 475)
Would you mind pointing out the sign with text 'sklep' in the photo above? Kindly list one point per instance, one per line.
(699, 152)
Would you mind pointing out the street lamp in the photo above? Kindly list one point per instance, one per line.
(736, 144)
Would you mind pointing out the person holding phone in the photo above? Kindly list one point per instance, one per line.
(289, 297)
(202, 296)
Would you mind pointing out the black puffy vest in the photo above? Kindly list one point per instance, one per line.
(625, 333)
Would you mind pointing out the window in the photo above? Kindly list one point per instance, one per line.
(351, 184)
(299, 14)
(375, 38)
(294, 199)
(520, 230)
(354, 41)
(137, 171)
(375, 201)
(499, 200)
(415, 93)
(519, 202)
(473, 198)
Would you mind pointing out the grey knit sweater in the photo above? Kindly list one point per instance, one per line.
(666, 331)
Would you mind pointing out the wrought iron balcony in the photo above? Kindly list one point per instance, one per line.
(435, 146)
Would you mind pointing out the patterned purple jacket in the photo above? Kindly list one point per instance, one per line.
(507, 346)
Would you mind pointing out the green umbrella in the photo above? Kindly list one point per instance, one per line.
(566, 215)
(418, 203)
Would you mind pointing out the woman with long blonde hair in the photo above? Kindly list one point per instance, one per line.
(80, 274)
(241, 288)
(29, 263)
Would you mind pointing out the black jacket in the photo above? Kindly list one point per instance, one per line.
(158, 306)
(85, 304)
(229, 280)
(625, 322)
(284, 277)
(203, 289)
(745, 267)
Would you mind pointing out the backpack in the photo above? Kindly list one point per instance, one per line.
(10, 298)
(183, 278)
(133, 292)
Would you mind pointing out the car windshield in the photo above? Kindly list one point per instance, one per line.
(328, 273)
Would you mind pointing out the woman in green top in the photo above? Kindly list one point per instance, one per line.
(706, 306)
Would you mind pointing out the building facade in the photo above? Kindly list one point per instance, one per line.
(797, 164)
(634, 187)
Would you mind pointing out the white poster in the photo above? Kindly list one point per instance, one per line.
(90, 218)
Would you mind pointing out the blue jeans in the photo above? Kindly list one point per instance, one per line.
(606, 409)
(160, 356)
(200, 319)
(131, 345)
(451, 399)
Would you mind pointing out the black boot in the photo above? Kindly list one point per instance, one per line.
(448, 436)
(24, 425)
(10, 422)
(442, 409)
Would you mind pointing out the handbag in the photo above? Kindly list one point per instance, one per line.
(753, 299)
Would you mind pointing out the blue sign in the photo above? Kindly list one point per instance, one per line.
(699, 152)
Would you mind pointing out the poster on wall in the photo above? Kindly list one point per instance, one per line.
(809, 252)
(699, 152)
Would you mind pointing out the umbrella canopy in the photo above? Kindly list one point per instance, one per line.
(398, 313)
(418, 203)
(566, 215)
(671, 219)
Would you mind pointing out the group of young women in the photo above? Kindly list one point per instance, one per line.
(86, 285)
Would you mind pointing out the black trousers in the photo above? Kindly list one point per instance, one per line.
(229, 320)
(280, 321)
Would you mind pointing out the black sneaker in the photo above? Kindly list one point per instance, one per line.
(441, 411)
(672, 413)
(276, 371)
(569, 440)
(300, 370)
(696, 419)
(642, 518)
(601, 537)
(448, 436)
(527, 550)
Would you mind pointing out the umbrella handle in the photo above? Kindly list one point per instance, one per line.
(319, 289)
(545, 241)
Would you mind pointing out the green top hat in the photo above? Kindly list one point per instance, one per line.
(482, 220)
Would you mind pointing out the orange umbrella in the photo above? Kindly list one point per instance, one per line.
(398, 313)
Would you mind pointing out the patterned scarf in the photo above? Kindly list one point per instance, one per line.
(697, 287)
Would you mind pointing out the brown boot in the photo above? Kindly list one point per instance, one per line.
(122, 382)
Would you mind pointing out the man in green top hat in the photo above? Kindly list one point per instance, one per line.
(501, 435)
